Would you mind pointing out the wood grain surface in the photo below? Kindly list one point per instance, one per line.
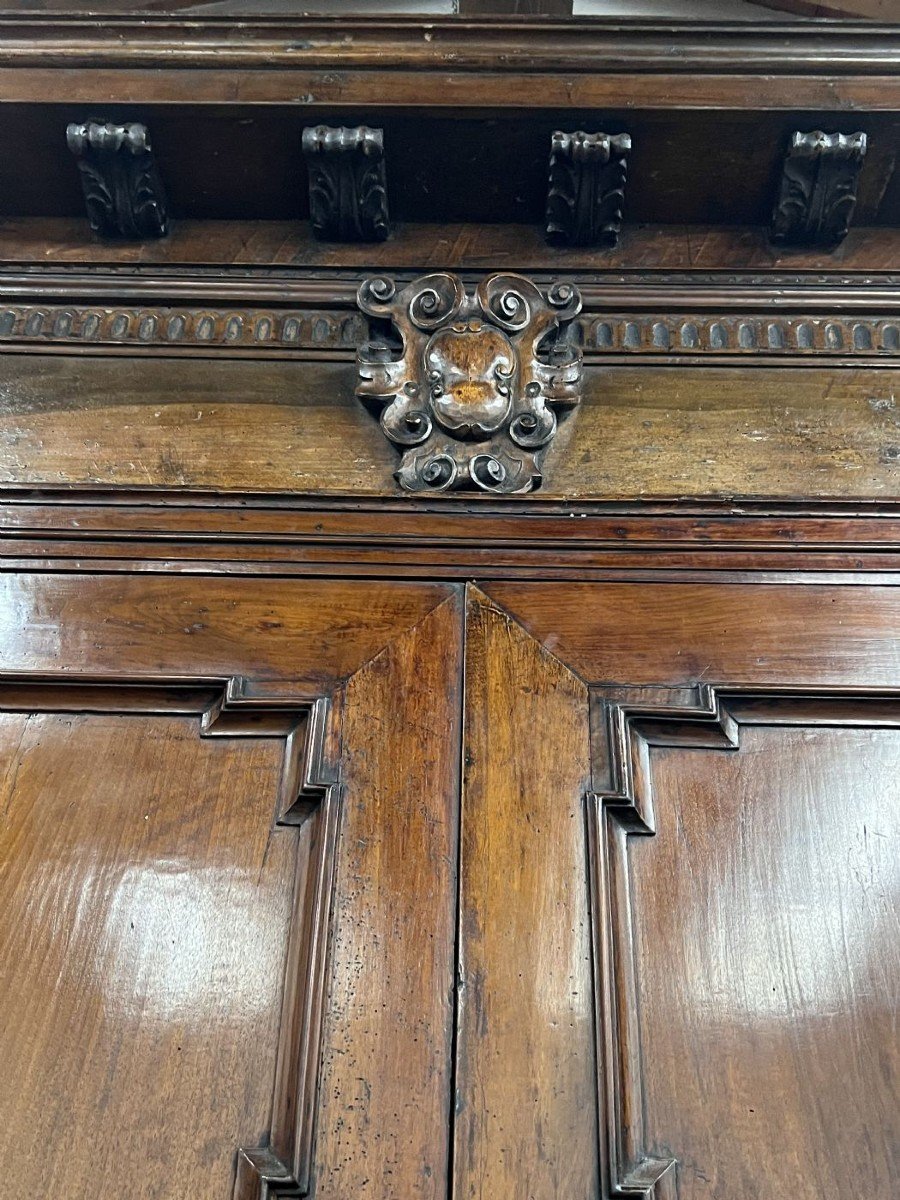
(767, 947)
(526, 1120)
(297, 427)
(384, 1120)
(145, 908)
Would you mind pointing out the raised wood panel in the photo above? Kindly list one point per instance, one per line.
(160, 940)
(746, 949)
(297, 427)
(115, 708)
(526, 1111)
(772, 883)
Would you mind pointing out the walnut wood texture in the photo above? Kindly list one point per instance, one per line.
(677, 634)
(745, 944)
(386, 1075)
(195, 955)
(478, 61)
(788, 937)
(285, 427)
(453, 245)
(526, 1073)
(146, 904)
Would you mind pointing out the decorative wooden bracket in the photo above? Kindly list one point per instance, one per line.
(586, 196)
(122, 188)
(471, 398)
(347, 186)
(818, 189)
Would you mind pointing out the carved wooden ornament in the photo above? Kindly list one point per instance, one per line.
(818, 188)
(472, 398)
(347, 187)
(123, 192)
(586, 193)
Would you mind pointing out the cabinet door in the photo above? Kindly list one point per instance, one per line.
(228, 823)
(679, 885)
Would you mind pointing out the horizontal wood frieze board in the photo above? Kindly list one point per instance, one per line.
(587, 44)
(812, 572)
(241, 535)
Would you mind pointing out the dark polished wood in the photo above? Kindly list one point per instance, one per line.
(347, 189)
(819, 182)
(123, 191)
(586, 191)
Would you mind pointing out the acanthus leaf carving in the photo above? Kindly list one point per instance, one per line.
(818, 188)
(586, 193)
(473, 395)
(123, 192)
(347, 183)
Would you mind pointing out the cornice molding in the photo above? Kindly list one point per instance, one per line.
(458, 43)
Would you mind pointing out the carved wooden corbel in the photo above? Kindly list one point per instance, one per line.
(586, 195)
(347, 185)
(472, 395)
(818, 189)
(123, 192)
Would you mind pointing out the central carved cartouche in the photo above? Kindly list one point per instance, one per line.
(472, 394)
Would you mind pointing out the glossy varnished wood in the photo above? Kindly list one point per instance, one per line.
(681, 634)
(766, 945)
(266, 631)
(526, 1109)
(145, 913)
(386, 1074)
(127, 877)
(741, 880)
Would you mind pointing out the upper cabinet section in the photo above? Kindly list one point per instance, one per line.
(474, 113)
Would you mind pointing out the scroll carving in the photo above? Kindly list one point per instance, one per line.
(472, 396)
(586, 195)
(347, 184)
(818, 189)
(123, 192)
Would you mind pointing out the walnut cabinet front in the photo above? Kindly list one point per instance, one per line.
(415, 890)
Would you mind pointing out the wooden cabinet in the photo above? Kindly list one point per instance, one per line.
(409, 889)
(450, 681)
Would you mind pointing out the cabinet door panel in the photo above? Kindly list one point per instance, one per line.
(146, 905)
(772, 886)
(741, 846)
(227, 887)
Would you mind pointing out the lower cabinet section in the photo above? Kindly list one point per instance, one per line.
(411, 891)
